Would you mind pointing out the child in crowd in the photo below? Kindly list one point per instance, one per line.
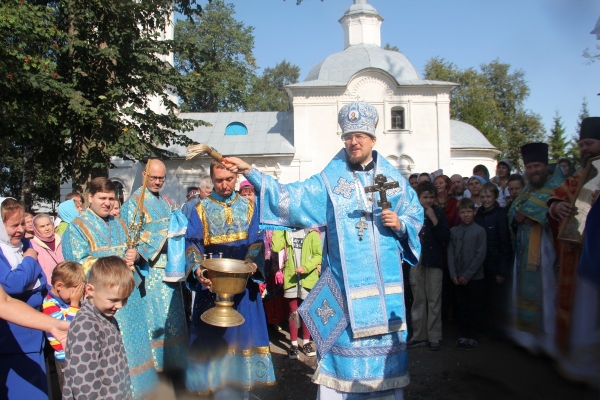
(302, 255)
(426, 277)
(466, 255)
(62, 302)
(498, 255)
(515, 186)
(96, 361)
(413, 179)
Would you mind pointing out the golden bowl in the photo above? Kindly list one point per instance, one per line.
(229, 277)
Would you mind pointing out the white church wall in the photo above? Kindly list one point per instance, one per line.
(464, 160)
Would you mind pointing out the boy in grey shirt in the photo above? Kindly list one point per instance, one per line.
(96, 361)
(466, 255)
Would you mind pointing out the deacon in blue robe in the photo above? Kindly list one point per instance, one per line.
(222, 358)
(95, 234)
(356, 312)
(533, 308)
(165, 311)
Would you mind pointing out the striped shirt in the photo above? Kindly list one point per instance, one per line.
(55, 307)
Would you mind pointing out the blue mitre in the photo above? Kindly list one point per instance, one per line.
(358, 116)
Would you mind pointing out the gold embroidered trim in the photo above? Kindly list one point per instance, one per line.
(250, 211)
(202, 215)
(86, 232)
(232, 237)
(251, 351)
(142, 368)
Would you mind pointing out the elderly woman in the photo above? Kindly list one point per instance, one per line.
(22, 366)
(67, 212)
(47, 244)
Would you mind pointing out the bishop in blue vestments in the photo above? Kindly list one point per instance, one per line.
(165, 310)
(95, 234)
(226, 360)
(356, 312)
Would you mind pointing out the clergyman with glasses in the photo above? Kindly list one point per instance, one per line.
(165, 314)
(356, 312)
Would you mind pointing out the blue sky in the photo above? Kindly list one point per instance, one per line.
(544, 38)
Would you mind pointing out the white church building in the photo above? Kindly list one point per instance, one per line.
(415, 132)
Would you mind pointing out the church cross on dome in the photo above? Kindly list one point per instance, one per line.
(361, 2)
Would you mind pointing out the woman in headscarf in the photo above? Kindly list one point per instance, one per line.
(67, 212)
(22, 367)
(476, 182)
(28, 220)
(47, 244)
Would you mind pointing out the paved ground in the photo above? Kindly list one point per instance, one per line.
(494, 371)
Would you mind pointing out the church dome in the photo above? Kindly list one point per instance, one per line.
(341, 66)
(361, 7)
(466, 136)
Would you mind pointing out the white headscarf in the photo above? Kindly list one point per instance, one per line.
(14, 254)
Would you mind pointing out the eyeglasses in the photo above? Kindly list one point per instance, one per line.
(359, 137)
(156, 178)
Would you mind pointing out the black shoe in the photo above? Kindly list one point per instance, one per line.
(309, 350)
(293, 352)
(471, 344)
(416, 343)
(462, 344)
(434, 346)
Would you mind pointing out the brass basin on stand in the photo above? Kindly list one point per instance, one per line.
(228, 277)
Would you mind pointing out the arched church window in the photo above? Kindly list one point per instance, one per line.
(236, 128)
(398, 118)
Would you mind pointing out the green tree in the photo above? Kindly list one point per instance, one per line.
(391, 48)
(268, 91)
(557, 141)
(492, 100)
(77, 80)
(573, 145)
(30, 87)
(214, 53)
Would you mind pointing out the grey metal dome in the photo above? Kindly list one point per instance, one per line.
(361, 7)
(340, 67)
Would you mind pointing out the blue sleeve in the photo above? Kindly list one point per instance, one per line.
(411, 214)
(256, 250)
(298, 205)
(194, 248)
(22, 278)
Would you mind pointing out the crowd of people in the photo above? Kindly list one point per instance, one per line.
(366, 264)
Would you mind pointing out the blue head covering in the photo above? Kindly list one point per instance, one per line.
(480, 179)
(67, 211)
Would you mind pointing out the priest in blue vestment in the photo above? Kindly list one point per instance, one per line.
(227, 361)
(95, 234)
(533, 299)
(356, 312)
(165, 310)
